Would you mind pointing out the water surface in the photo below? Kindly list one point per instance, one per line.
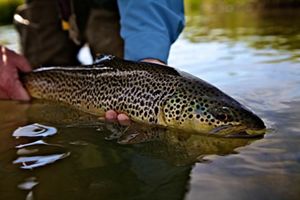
(252, 56)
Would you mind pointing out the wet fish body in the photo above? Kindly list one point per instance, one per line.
(147, 93)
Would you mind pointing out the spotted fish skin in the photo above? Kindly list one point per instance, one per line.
(147, 93)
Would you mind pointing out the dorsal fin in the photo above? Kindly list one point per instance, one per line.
(126, 65)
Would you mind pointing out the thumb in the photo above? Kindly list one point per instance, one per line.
(22, 64)
(19, 60)
(19, 93)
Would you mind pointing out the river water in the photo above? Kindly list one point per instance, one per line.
(253, 56)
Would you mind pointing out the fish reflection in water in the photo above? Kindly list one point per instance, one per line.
(172, 145)
(155, 163)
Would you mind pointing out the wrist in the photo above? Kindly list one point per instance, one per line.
(152, 60)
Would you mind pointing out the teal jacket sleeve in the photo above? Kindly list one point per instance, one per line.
(149, 27)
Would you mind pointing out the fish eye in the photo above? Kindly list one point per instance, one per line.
(222, 114)
(221, 117)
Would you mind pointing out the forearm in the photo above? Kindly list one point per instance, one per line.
(149, 27)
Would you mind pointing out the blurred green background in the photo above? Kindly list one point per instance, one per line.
(7, 7)
(230, 4)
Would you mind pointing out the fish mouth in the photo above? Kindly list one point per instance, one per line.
(237, 131)
(249, 133)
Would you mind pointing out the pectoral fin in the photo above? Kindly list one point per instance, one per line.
(134, 134)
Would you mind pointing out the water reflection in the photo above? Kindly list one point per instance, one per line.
(157, 167)
(28, 183)
(263, 30)
(34, 130)
(31, 162)
(173, 146)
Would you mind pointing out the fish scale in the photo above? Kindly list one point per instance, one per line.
(147, 93)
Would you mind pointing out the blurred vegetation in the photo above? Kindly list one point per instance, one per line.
(7, 9)
(232, 4)
(263, 26)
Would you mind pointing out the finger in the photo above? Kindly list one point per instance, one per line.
(19, 93)
(111, 115)
(155, 61)
(22, 64)
(20, 61)
(123, 119)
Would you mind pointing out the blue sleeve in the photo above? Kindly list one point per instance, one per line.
(149, 27)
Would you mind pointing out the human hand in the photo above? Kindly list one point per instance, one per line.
(151, 60)
(112, 115)
(10, 85)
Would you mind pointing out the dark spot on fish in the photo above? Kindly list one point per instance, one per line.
(156, 110)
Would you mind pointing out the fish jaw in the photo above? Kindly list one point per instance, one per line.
(237, 132)
(250, 126)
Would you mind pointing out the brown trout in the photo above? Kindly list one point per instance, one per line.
(147, 93)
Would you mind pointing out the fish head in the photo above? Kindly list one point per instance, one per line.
(228, 117)
(211, 112)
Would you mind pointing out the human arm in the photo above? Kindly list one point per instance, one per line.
(10, 85)
(149, 27)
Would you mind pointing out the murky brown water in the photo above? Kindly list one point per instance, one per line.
(253, 56)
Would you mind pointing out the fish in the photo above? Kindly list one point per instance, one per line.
(150, 94)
